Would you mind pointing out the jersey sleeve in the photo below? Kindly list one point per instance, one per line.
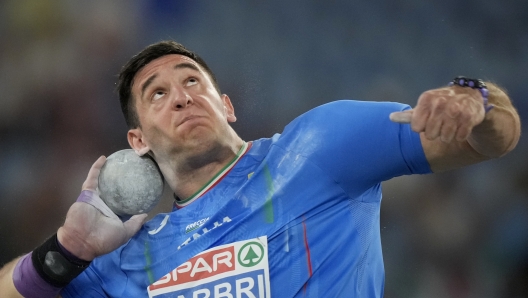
(356, 144)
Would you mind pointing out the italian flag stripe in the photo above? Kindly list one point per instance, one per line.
(216, 179)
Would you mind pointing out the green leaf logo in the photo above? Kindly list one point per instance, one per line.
(250, 254)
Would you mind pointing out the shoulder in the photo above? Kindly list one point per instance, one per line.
(343, 118)
(348, 112)
(357, 108)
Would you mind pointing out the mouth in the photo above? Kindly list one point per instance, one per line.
(188, 118)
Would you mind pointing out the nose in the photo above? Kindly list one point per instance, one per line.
(180, 98)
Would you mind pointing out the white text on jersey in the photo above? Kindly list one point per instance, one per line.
(204, 231)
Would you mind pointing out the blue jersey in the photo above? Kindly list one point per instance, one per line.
(295, 215)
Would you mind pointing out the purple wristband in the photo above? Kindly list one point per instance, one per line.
(29, 283)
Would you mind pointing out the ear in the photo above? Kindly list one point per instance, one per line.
(229, 109)
(137, 142)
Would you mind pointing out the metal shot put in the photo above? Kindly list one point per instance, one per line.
(130, 184)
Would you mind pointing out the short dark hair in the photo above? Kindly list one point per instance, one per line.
(137, 62)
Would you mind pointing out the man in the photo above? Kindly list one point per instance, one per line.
(296, 215)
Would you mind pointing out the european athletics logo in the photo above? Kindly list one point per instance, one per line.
(239, 269)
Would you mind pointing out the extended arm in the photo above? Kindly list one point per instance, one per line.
(91, 229)
(455, 130)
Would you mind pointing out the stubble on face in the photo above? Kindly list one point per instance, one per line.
(195, 143)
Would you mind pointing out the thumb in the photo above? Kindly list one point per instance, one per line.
(91, 181)
(134, 224)
(401, 117)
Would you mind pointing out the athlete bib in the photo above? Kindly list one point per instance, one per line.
(239, 269)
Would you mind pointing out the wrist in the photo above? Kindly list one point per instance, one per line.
(73, 246)
(476, 84)
(43, 272)
(54, 265)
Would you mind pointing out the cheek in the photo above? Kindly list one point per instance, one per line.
(156, 138)
(154, 115)
(215, 104)
(155, 128)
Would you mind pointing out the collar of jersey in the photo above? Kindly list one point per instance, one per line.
(211, 183)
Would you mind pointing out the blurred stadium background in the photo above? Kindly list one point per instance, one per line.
(458, 234)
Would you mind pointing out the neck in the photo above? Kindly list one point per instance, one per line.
(186, 176)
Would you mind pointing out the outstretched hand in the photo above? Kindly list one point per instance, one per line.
(91, 229)
(447, 113)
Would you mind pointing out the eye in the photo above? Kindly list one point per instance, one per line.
(191, 82)
(158, 95)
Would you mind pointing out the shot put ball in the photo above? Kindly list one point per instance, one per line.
(130, 184)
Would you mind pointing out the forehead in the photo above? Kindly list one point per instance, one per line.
(161, 63)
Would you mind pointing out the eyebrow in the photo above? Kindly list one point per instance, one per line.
(186, 65)
(147, 83)
(154, 76)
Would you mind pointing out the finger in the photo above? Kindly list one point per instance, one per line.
(91, 181)
(463, 133)
(468, 118)
(436, 118)
(134, 224)
(448, 131)
(432, 130)
(420, 118)
(92, 198)
(401, 117)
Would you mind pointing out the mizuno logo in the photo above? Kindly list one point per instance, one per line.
(198, 234)
(195, 225)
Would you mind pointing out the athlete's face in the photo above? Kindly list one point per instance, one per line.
(178, 107)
